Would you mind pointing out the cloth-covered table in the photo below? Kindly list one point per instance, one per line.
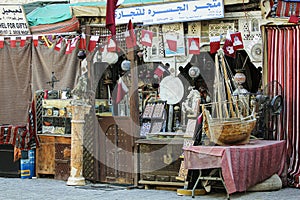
(242, 166)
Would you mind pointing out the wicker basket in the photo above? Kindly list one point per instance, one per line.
(228, 131)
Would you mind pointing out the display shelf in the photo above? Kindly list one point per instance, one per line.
(56, 116)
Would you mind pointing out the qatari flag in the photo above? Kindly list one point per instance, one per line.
(122, 90)
(111, 6)
(172, 42)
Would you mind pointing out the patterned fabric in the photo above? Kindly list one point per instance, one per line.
(283, 52)
(61, 27)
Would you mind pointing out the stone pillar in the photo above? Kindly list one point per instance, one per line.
(77, 122)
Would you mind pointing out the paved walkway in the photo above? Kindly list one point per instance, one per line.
(50, 189)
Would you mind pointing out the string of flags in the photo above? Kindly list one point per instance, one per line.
(233, 41)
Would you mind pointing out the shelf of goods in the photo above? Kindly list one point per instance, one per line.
(56, 116)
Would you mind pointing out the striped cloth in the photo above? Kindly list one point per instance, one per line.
(286, 9)
(61, 27)
(283, 65)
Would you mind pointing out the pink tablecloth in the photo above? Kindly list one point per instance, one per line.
(242, 166)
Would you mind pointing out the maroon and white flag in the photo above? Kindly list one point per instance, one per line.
(159, 71)
(130, 37)
(111, 44)
(57, 46)
(23, 41)
(122, 90)
(237, 40)
(214, 44)
(194, 45)
(110, 23)
(147, 37)
(35, 39)
(93, 42)
(1, 42)
(228, 46)
(68, 48)
(172, 41)
(74, 43)
(13, 41)
(82, 42)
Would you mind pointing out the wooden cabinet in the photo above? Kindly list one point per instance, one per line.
(53, 156)
(159, 161)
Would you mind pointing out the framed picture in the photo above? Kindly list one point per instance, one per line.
(148, 111)
(158, 110)
(156, 126)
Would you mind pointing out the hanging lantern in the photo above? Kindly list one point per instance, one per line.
(194, 72)
(125, 65)
(239, 77)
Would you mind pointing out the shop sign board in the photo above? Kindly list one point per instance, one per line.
(171, 12)
(13, 20)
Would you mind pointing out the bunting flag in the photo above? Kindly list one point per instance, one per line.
(1, 42)
(93, 42)
(35, 39)
(111, 6)
(147, 37)
(23, 41)
(111, 44)
(172, 42)
(228, 46)
(130, 37)
(13, 41)
(71, 45)
(237, 40)
(214, 44)
(57, 47)
(74, 43)
(159, 71)
(68, 48)
(194, 45)
(82, 42)
(122, 90)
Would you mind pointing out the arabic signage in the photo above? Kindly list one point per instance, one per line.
(171, 12)
(13, 20)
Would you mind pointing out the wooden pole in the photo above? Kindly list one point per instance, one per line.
(133, 94)
(233, 114)
(134, 110)
(219, 102)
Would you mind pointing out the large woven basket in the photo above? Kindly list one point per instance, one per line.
(230, 132)
(226, 130)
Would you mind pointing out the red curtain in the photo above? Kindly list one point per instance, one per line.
(283, 65)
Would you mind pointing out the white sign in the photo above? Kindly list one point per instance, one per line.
(13, 20)
(171, 12)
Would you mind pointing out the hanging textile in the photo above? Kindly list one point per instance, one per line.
(47, 60)
(283, 65)
(15, 91)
